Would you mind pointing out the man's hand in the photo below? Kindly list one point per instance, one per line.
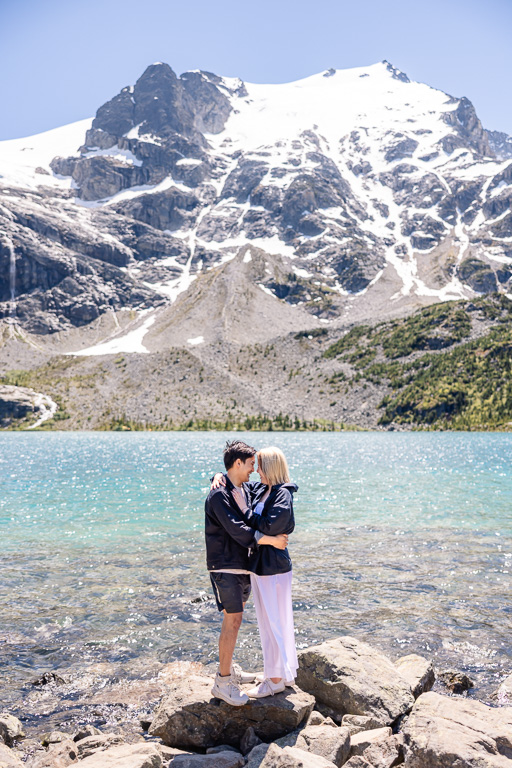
(217, 481)
(279, 542)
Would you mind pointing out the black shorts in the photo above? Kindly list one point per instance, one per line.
(231, 590)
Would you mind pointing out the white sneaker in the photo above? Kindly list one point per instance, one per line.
(226, 688)
(288, 683)
(241, 677)
(266, 688)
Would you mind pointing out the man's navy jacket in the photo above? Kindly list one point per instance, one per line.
(229, 540)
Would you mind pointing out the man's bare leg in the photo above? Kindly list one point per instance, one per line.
(227, 641)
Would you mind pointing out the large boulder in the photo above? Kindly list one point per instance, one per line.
(418, 671)
(331, 743)
(189, 716)
(348, 676)
(443, 731)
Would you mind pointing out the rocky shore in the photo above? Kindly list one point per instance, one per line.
(351, 706)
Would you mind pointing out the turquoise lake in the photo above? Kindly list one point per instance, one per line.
(402, 539)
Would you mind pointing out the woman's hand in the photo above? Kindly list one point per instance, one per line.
(240, 499)
(217, 481)
(279, 542)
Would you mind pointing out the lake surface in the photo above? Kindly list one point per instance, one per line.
(402, 539)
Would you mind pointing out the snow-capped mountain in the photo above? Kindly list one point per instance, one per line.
(350, 194)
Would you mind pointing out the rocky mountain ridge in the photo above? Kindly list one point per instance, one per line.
(195, 212)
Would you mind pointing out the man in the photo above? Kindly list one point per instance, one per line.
(229, 542)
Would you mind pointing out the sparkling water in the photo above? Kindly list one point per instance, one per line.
(402, 540)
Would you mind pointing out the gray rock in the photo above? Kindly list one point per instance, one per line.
(478, 275)
(210, 106)
(91, 744)
(442, 732)
(85, 731)
(383, 754)
(468, 128)
(10, 728)
(387, 753)
(226, 759)
(169, 753)
(291, 757)
(168, 210)
(8, 759)
(418, 671)
(190, 717)
(351, 677)
(455, 681)
(503, 695)
(331, 743)
(220, 748)
(404, 147)
(140, 755)
(54, 737)
(248, 741)
(58, 755)
(358, 723)
(500, 143)
(15, 403)
(257, 755)
(358, 761)
(316, 718)
(359, 742)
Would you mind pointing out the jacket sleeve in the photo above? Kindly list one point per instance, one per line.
(276, 518)
(232, 522)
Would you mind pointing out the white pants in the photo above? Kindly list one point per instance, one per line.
(273, 603)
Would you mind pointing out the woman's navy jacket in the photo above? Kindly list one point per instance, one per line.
(276, 517)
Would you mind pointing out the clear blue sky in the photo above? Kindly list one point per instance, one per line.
(61, 59)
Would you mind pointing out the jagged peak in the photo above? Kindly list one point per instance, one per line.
(396, 73)
(158, 69)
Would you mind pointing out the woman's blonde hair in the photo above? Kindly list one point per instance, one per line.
(274, 466)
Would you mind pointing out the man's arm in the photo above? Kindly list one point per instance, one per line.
(231, 521)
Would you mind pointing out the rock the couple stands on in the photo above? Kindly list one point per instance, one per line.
(246, 530)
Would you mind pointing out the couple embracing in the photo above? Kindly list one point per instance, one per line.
(246, 528)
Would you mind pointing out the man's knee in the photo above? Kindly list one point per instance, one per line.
(233, 620)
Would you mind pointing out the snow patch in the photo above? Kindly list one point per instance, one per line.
(189, 161)
(117, 154)
(265, 289)
(130, 342)
(19, 158)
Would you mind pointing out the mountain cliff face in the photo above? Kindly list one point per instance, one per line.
(374, 191)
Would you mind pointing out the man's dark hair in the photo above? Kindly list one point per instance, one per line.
(236, 449)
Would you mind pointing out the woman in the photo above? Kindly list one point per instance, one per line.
(271, 513)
